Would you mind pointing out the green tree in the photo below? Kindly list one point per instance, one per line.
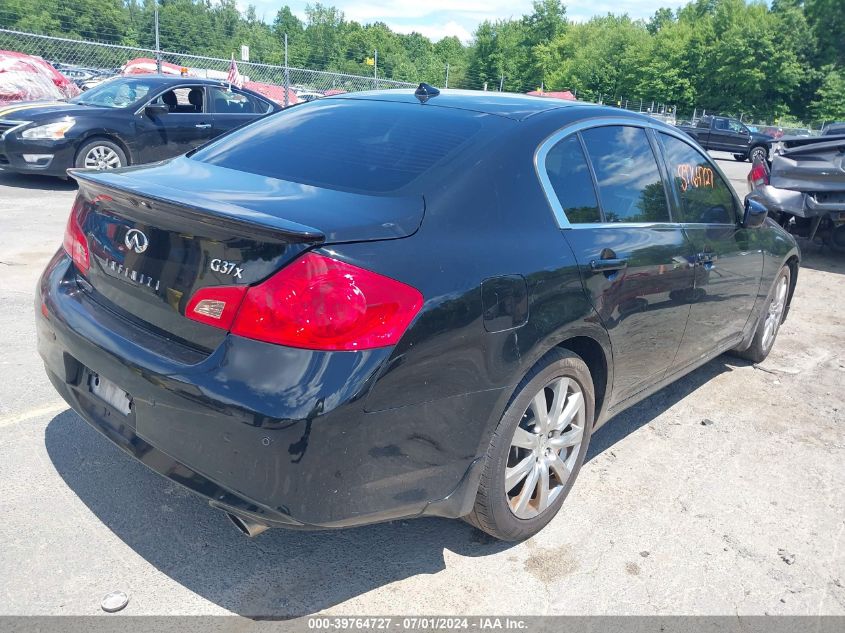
(766, 59)
(545, 23)
(827, 19)
(830, 102)
(287, 23)
(324, 33)
(661, 18)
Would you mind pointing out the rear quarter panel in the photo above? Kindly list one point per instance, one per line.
(491, 220)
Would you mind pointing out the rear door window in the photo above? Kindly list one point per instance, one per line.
(226, 101)
(628, 178)
(705, 198)
(569, 175)
(361, 145)
(184, 100)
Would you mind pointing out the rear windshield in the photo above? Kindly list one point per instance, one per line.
(356, 145)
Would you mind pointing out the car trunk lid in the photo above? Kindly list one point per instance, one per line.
(811, 167)
(158, 235)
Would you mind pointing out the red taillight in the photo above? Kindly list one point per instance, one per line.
(216, 305)
(759, 175)
(75, 242)
(320, 303)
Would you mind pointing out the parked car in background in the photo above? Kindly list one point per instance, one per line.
(28, 78)
(800, 132)
(402, 303)
(272, 92)
(773, 131)
(86, 78)
(725, 134)
(832, 129)
(804, 186)
(75, 73)
(96, 80)
(304, 96)
(124, 121)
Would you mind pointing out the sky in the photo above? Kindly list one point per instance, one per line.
(440, 18)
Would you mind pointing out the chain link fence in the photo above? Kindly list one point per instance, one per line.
(107, 59)
(776, 128)
(655, 108)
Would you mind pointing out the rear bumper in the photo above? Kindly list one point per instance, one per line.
(796, 203)
(272, 433)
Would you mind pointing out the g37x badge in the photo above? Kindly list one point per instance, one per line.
(227, 268)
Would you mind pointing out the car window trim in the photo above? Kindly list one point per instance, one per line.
(555, 137)
(676, 200)
(593, 179)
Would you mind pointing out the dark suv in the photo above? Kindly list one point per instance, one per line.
(424, 305)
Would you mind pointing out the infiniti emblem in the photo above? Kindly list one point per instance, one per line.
(135, 240)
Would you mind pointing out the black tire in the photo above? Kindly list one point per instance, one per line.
(760, 152)
(760, 347)
(741, 157)
(492, 512)
(107, 146)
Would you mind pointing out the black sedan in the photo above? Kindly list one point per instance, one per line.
(123, 121)
(424, 306)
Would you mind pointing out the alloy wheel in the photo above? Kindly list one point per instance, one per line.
(775, 314)
(758, 153)
(101, 157)
(545, 448)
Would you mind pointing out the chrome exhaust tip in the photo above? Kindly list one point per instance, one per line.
(247, 526)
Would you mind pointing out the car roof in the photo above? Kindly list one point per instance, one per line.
(510, 105)
(175, 79)
(166, 80)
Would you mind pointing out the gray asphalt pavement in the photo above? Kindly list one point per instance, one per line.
(722, 494)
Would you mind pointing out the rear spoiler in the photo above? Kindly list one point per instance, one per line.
(222, 216)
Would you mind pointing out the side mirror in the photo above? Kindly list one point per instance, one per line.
(755, 212)
(156, 109)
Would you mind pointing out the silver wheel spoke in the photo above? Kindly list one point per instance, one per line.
(560, 469)
(570, 438)
(527, 491)
(524, 439)
(541, 414)
(773, 318)
(516, 474)
(573, 406)
(543, 488)
(767, 333)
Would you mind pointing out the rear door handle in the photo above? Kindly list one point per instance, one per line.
(203, 126)
(607, 265)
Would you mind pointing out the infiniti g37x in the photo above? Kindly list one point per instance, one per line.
(399, 304)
